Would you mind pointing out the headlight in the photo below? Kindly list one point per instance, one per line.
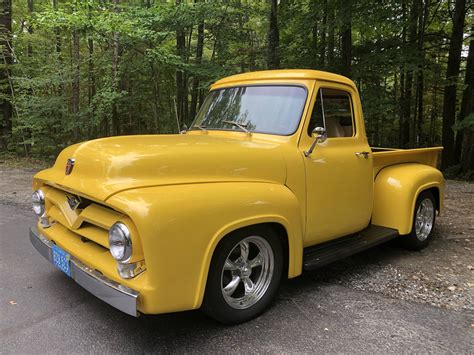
(120, 242)
(37, 202)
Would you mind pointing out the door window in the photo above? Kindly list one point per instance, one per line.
(333, 111)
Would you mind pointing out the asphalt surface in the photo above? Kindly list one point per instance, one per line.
(43, 311)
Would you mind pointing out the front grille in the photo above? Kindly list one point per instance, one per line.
(88, 221)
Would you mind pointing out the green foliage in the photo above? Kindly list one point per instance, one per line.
(465, 123)
(128, 60)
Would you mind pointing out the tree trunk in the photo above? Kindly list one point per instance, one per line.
(467, 108)
(76, 75)
(452, 73)
(322, 45)
(401, 110)
(331, 34)
(54, 4)
(273, 61)
(30, 28)
(195, 88)
(412, 36)
(156, 100)
(90, 72)
(180, 79)
(115, 74)
(434, 102)
(91, 75)
(420, 79)
(346, 37)
(6, 61)
(314, 34)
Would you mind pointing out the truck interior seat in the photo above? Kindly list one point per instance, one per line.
(334, 128)
(347, 131)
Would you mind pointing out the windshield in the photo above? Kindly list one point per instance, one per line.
(263, 109)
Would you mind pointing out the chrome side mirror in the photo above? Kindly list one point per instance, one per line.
(320, 136)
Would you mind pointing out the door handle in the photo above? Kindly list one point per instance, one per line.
(363, 154)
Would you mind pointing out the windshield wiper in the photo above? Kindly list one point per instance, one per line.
(202, 128)
(243, 127)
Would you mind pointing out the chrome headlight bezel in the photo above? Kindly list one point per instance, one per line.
(38, 203)
(120, 242)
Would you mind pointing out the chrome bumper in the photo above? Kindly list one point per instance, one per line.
(118, 296)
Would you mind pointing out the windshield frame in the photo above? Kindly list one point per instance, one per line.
(300, 116)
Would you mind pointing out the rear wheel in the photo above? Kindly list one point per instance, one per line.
(423, 222)
(244, 276)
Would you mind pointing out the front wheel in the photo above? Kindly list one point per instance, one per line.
(244, 276)
(423, 222)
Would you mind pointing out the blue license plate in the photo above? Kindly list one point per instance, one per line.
(61, 260)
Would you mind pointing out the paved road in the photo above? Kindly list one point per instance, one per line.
(53, 314)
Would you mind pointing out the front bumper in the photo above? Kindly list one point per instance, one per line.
(109, 291)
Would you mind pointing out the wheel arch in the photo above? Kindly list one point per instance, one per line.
(396, 189)
(292, 246)
(280, 230)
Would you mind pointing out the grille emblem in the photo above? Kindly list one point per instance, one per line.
(70, 165)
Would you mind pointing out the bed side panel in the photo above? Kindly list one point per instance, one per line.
(425, 156)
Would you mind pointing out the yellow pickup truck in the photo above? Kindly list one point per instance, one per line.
(275, 176)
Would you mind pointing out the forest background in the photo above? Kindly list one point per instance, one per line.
(77, 70)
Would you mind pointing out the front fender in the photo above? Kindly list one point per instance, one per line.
(181, 225)
(396, 189)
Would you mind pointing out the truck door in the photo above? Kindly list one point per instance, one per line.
(339, 172)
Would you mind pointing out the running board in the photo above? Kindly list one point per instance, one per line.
(325, 253)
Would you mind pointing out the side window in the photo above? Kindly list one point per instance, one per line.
(337, 118)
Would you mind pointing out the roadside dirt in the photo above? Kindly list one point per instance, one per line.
(441, 275)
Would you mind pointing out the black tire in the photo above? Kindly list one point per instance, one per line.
(215, 304)
(414, 240)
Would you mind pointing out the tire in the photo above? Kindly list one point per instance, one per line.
(244, 275)
(424, 218)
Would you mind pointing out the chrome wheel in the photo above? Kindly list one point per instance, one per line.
(424, 219)
(247, 272)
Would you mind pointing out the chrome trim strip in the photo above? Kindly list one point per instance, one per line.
(109, 291)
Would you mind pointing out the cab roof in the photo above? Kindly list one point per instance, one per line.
(283, 74)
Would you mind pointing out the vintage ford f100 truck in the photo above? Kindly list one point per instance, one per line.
(275, 176)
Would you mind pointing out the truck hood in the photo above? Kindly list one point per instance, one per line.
(106, 166)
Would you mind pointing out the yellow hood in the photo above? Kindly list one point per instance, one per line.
(106, 166)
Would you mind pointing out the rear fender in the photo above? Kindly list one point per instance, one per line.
(396, 189)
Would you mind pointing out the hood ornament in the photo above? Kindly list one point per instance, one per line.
(69, 166)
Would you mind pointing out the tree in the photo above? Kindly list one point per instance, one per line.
(408, 85)
(452, 73)
(418, 133)
(30, 28)
(346, 38)
(76, 69)
(5, 83)
(198, 60)
(115, 73)
(466, 114)
(273, 37)
(181, 98)
(322, 45)
(331, 34)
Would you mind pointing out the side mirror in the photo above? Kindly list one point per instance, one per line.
(320, 136)
(320, 133)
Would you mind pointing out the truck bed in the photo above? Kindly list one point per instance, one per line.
(384, 157)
